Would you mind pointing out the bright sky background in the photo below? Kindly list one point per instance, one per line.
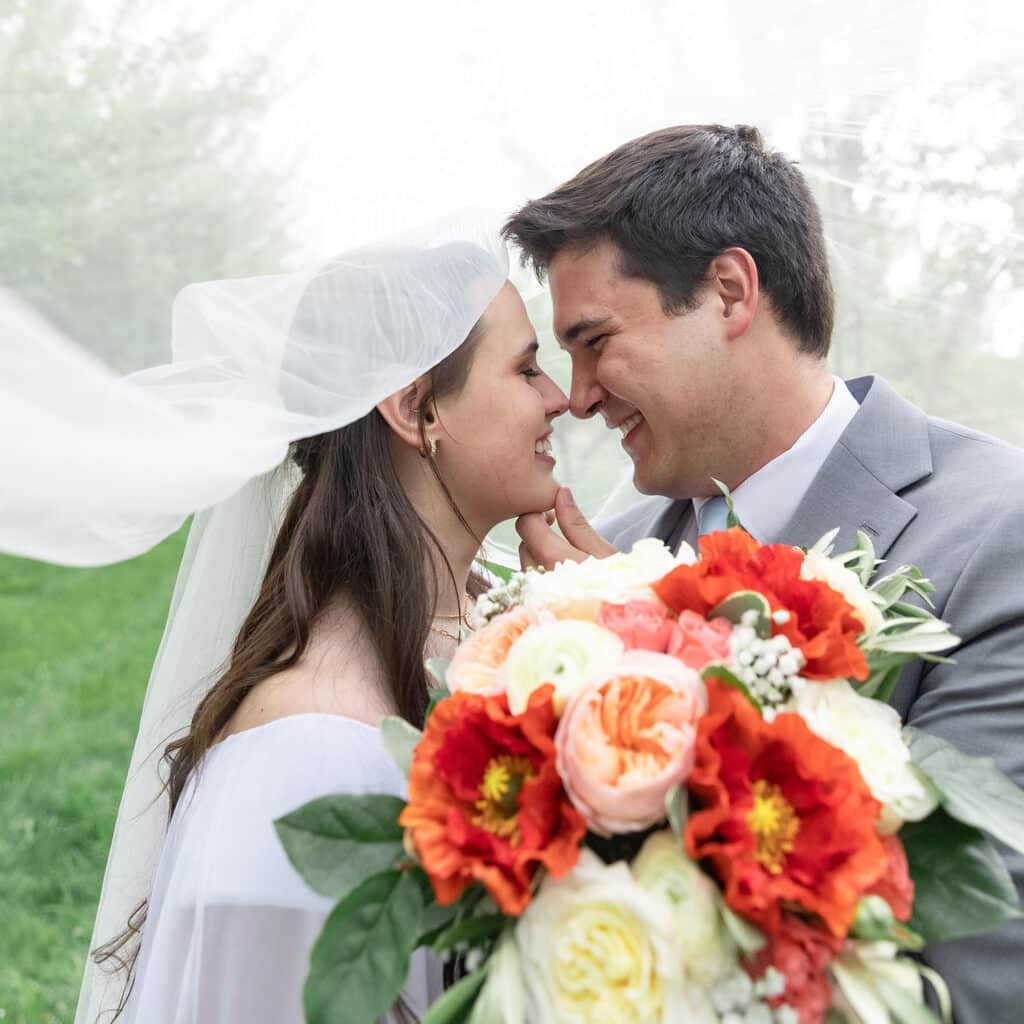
(397, 112)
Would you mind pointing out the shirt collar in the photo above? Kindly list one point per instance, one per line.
(767, 499)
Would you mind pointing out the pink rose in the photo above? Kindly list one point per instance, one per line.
(475, 667)
(697, 642)
(627, 737)
(802, 953)
(640, 625)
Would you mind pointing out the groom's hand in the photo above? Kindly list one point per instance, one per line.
(542, 546)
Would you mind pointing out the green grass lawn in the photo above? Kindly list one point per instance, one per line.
(76, 647)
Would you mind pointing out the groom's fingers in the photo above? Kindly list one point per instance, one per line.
(547, 548)
(526, 559)
(578, 532)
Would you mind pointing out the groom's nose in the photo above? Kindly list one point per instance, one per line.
(585, 395)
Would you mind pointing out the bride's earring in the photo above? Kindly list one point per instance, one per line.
(430, 451)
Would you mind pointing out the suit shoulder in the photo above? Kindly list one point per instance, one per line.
(977, 468)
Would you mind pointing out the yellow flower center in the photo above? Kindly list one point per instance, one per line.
(774, 824)
(498, 806)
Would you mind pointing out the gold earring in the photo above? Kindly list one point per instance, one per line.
(430, 451)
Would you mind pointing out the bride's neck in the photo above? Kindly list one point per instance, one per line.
(459, 547)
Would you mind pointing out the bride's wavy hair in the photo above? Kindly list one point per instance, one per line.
(350, 528)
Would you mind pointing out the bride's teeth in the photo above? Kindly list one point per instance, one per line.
(542, 447)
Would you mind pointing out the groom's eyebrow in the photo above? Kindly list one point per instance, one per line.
(573, 333)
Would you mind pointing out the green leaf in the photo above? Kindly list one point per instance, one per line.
(875, 922)
(337, 842)
(677, 808)
(399, 738)
(901, 1004)
(435, 919)
(469, 931)
(438, 669)
(455, 1006)
(972, 789)
(723, 675)
(881, 683)
(732, 519)
(748, 937)
(735, 606)
(961, 885)
(361, 959)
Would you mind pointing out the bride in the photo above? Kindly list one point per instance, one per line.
(370, 571)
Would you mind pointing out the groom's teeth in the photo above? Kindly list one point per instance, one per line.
(627, 425)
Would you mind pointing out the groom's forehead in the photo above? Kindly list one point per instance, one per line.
(583, 287)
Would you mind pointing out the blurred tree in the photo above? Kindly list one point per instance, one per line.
(923, 205)
(130, 168)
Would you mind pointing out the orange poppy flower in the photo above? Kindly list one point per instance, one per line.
(486, 802)
(822, 623)
(782, 817)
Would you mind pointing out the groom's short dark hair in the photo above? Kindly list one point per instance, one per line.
(673, 200)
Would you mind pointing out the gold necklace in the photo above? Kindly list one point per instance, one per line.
(444, 633)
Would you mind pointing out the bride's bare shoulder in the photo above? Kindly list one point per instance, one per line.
(338, 674)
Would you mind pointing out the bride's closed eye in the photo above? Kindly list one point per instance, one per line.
(529, 372)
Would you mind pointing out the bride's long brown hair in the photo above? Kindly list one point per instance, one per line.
(349, 527)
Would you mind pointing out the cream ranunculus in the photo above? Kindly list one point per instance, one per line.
(597, 947)
(818, 566)
(869, 731)
(564, 653)
(663, 869)
(577, 589)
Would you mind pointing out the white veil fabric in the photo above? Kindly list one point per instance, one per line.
(109, 466)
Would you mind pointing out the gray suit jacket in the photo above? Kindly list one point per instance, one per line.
(950, 501)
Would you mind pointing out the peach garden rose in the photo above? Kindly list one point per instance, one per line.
(627, 737)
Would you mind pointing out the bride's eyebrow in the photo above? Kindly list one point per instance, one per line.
(531, 349)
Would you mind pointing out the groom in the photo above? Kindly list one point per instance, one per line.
(692, 291)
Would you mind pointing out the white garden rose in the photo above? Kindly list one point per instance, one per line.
(869, 732)
(818, 566)
(577, 589)
(597, 947)
(663, 869)
(565, 652)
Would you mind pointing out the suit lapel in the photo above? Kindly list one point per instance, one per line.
(883, 451)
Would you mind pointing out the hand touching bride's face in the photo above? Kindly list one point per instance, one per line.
(493, 433)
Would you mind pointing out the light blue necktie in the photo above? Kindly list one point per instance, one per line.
(714, 515)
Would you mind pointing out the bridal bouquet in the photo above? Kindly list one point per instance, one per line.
(658, 788)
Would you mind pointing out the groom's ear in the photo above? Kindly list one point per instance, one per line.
(733, 279)
(401, 411)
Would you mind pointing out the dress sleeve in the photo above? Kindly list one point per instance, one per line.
(233, 924)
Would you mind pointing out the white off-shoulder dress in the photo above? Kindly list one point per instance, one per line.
(231, 924)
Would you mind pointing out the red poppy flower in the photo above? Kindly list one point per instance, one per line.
(486, 801)
(783, 818)
(822, 623)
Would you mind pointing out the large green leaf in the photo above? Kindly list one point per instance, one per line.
(455, 1006)
(961, 885)
(337, 842)
(972, 789)
(399, 738)
(361, 959)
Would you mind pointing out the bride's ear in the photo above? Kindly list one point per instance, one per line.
(401, 412)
